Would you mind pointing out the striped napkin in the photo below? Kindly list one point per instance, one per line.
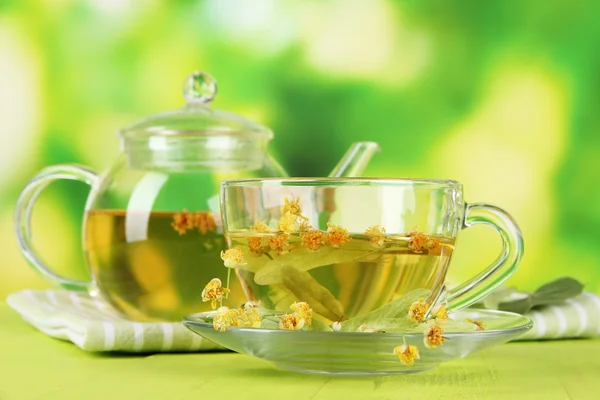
(93, 326)
(578, 317)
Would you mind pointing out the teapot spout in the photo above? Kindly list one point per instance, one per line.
(355, 160)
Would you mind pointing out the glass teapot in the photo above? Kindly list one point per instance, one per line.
(152, 232)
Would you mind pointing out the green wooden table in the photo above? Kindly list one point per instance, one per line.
(34, 366)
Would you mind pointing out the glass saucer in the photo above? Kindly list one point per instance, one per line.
(356, 353)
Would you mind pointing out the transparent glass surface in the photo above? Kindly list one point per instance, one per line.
(355, 353)
(353, 245)
(152, 232)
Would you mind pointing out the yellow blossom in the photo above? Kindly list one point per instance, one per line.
(336, 235)
(440, 312)
(292, 206)
(205, 222)
(258, 246)
(250, 317)
(304, 310)
(260, 227)
(433, 335)
(288, 223)
(480, 325)
(233, 257)
(420, 241)
(214, 292)
(377, 235)
(291, 322)
(417, 241)
(417, 310)
(278, 243)
(226, 318)
(407, 354)
(312, 239)
(365, 328)
(182, 221)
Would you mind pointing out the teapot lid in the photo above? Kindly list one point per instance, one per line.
(196, 117)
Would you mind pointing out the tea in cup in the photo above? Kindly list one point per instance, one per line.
(349, 246)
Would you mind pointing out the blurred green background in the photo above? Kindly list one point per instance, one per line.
(501, 95)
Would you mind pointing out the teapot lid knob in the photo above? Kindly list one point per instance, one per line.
(199, 87)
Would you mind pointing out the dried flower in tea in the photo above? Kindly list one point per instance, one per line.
(336, 235)
(313, 239)
(279, 243)
(205, 222)
(289, 223)
(417, 241)
(292, 206)
(183, 221)
(377, 235)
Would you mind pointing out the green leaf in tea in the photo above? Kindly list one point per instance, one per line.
(394, 310)
(303, 260)
(307, 289)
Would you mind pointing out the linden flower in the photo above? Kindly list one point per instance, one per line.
(258, 246)
(336, 235)
(336, 326)
(260, 227)
(232, 257)
(480, 325)
(417, 241)
(365, 328)
(292, 206)
(417, 311)
(433, 336)
(288, 223)
(214, 292)
(291, 322)
(278, 243)
(182, 221)
(225, 318)
(304, 310)
(312, 239)
(440, 312)
(250, 318)
(377, 235)
(407, 354)
(204, 222)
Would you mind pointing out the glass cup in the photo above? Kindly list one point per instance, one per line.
(349, 246)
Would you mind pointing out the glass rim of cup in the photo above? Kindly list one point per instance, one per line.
(341, 181)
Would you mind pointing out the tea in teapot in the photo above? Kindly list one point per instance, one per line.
(152, 232)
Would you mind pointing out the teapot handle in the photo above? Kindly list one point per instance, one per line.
(22, 217)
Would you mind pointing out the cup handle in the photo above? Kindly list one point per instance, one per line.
(502, 268)
(22, 217)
